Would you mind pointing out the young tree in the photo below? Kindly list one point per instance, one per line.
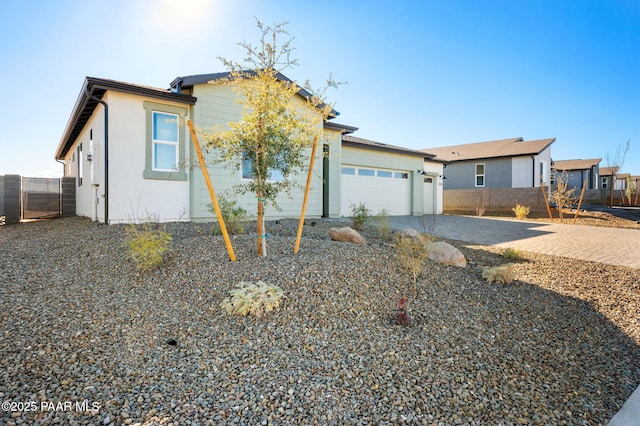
(615, 162)
(275, 133)
(564, 195)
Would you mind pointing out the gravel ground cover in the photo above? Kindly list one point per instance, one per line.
(82, 329)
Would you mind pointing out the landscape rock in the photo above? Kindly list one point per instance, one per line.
(410, 233)
(447, 254)
(346, 234)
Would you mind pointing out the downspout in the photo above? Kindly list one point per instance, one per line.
(533, 171)
(106, 153)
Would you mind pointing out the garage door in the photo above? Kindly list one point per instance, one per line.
(378, 188)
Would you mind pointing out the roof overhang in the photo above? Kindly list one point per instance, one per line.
(86, 104)
(379, 146)
(339, 127)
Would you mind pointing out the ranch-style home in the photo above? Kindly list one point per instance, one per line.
(576, 172)
(131, 154)
(505, 163)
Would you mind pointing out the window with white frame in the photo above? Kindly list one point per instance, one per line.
(604, 183)
(480, 175)
(165, 142)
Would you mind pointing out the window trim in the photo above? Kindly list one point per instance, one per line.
(483, 174)
(149, 171)
(155, 142)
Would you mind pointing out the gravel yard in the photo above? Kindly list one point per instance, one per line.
(83, 329)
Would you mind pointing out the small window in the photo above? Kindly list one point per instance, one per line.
(366, 172)
(273, 175)
(428, 180)
(385, 174)
(479, 175)
(348, 171)
(401, 175)
(605, 183)
(80, 165)
(165, 142)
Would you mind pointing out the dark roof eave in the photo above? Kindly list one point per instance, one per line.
(341, 127)
(423, 155)
(84, 106)
(524, 154)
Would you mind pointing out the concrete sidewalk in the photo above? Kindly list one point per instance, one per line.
(615, 246)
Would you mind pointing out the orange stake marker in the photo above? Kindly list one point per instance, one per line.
(212, 193)
(306, 195)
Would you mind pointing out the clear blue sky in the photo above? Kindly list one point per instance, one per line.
(420, 73)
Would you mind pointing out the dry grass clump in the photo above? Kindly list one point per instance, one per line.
(501, 274)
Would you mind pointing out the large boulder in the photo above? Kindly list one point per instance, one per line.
(442, 252)
(346, 234)
(411, 233)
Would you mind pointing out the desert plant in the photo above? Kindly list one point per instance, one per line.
(235, 217)
(521, 211)
(513, 254)
(412, 252)
(383, 224)
(253, 299)
(501, 274)
(147, 243)
(359, 215)
(402, 317)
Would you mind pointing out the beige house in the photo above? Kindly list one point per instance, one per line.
(129, 149)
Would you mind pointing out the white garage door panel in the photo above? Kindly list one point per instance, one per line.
(377, 193)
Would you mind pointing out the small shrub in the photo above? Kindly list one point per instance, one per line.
(402, 317)
(359, 215)
(147, 243)
(501, 274)
(383, 224)
(253, 299)
(513, 254)
(235, 217)
(412, 252)
(521, 211)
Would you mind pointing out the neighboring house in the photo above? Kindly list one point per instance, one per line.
(577, 172)
(606, 175)
(131, 153)
(506, 163)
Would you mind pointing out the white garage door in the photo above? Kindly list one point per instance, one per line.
(378, 189)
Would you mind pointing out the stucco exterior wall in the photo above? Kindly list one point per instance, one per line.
(436, 170)
(90, 198)
(131, 197)
(522, 172)
(461, 174)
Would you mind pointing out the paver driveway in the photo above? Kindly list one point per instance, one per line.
(614, 246)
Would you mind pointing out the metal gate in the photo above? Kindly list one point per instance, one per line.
(41, 198)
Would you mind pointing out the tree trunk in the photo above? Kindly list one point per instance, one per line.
(262, 241)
